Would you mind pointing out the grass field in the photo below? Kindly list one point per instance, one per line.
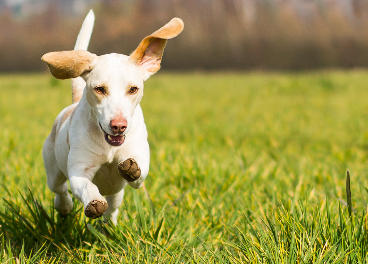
(245, 167)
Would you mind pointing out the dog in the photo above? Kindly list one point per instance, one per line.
(99, 143)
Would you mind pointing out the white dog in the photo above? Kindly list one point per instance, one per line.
(100, 142)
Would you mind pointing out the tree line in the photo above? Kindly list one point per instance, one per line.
(221, 34)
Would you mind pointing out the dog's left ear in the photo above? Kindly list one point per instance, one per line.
(149, 53)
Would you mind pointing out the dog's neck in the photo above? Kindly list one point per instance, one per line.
(87, 111)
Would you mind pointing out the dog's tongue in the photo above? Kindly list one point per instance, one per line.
(116, 138)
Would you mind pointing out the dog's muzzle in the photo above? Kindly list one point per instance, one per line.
(113, 140)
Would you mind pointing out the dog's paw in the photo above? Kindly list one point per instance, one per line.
(129, 170)
(95, 209)
(63, 204)
(64, 212)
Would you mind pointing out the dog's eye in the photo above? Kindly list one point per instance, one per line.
(133, 89)
(100, 90)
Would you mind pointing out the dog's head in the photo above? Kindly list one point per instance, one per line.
(114, 82)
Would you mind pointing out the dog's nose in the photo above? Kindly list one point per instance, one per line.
(118, 125)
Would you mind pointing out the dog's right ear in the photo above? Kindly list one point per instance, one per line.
(69, 64)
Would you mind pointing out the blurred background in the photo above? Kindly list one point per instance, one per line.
(219, 34)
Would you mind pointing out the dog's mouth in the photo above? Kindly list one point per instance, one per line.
(113, 140)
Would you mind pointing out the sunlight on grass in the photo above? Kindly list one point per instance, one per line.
(245, 167)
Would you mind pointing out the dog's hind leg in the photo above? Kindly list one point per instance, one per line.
(63, 201)
(56, 180)
(114, 202)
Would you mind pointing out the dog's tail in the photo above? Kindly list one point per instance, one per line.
(83, 38)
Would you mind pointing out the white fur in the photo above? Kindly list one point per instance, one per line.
(77, 151)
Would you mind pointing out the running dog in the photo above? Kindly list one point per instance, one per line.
(99, 143)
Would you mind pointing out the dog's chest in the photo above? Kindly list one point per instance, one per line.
(108, 179)
(111, 155)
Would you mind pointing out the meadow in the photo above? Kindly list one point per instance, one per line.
(246, 167)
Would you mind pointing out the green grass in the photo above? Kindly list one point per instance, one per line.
(245, 167)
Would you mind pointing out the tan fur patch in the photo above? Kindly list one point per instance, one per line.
(69, 64)
(71, 117)
(170, 30)
(67, 139)
(69, 112)
(78, 85)
(53, 130)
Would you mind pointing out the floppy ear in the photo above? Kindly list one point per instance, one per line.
(149, 53)
(69, 64)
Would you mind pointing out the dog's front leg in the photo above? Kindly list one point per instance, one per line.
(85, 191)
(133, 161)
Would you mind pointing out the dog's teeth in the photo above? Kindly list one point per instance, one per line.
(109, 137)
